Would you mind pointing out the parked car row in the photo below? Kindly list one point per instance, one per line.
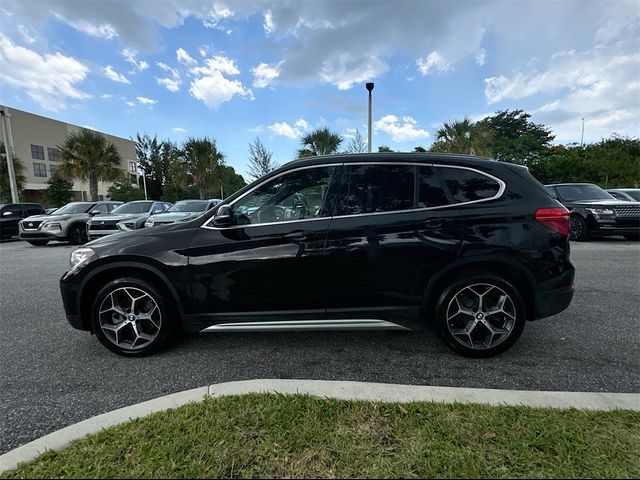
(78, 222)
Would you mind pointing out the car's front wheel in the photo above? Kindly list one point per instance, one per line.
(130, 317)
(579, 231)
(481, 315)
(78, 234)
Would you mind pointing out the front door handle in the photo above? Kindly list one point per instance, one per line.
(297, 235)
(433, 223)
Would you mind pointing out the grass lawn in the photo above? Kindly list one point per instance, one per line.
(267, 435)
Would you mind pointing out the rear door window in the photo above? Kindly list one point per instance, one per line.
(376, 188)
(468, 185)
(431, 191)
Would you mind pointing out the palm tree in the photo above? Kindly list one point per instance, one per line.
(88, 156)
(199, 165)
(462, 136)
(319, 142)
(18, 169)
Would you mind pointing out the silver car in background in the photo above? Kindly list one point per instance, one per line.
(181, 211)
(130, 216)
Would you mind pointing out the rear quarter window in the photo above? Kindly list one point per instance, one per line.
(468, 185)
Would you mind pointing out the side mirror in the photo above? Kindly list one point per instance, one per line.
(223, 216)
(7, 213)
(94, 212)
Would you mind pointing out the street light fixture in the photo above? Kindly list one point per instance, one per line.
(369, 88)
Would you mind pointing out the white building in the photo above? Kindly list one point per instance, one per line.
(35, 140)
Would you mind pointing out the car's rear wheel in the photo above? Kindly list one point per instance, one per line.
(38, 243)
(130, 317)
(579, 231)
(78, 234)
(481, 315)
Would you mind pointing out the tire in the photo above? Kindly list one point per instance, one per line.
(78, 234)
(120, 329)
(38, 243)
(579, 231)
(473, 331)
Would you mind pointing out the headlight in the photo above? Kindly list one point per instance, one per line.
(80, 257)
(600, 211)
(149, 223)
(52, 226)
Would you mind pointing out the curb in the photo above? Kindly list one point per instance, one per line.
(321, 388)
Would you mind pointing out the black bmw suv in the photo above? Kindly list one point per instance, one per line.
(471, 246)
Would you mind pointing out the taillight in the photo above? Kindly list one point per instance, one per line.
(557, 219)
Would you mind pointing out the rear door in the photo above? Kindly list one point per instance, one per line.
(391, 230)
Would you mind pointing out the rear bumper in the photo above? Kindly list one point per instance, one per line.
(554, 296)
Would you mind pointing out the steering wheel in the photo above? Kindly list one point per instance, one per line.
(270, 213)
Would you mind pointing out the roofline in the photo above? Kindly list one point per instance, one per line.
(382, 156)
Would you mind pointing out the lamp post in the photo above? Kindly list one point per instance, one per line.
(8, 147)
(369, 88)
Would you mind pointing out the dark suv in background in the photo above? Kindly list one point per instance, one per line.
(596, 212)
(12, 213)
(471, 246)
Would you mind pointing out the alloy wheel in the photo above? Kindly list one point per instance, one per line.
(130, 318)
(576, 229)
(481, 316)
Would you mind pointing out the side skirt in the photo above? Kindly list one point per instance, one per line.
(298, 325)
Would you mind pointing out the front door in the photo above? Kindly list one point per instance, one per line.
(268, 263)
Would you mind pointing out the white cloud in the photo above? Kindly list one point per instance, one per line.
(481, 56)
(26, 34)
(216, 16)
(111, 74)
(283, 129)
(600, 85)
(130, 56)
(212, 87)
(106, 96)
(268, 24)
(432, 63)
(344, 69)
(131, 104)
(146, 101)
(169, 83)
(101, 30)
(179, 130)
(400, 130)
(264, 75)
(48, 79)
(184, 57)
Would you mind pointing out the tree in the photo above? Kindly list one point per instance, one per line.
(356, 144)
(18, 168)
(198, 165)
(384, 148)
(462, 136)
(155, 159)
(514, 138)
(125, 192)
(59, 191)
(229, 181)
(87, 155)
(260, 162)
(420, 149)
(319, 142)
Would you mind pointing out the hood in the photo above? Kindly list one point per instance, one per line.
(175, 216)
(110, 217)
(46, 218)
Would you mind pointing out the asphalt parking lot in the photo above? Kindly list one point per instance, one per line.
(52, 376)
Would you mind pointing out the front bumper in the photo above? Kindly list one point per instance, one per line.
(93, 234)
(70, 290)
(614, 225)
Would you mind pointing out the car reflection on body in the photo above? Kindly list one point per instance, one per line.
(182, 211)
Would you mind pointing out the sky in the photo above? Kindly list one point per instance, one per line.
(246, 69)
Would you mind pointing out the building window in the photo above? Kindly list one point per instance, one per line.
(52, 169)
(37, 152)
(54, 154)
(39, 169)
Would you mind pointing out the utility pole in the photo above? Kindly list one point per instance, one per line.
(582, 136)
(369, 88)
(8, 148)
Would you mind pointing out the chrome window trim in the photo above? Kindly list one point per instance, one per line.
(501, 190)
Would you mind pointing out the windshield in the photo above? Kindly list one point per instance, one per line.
(71, 208)
(133, 207)
(582, 192)
(189, 206)
(633, 193)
